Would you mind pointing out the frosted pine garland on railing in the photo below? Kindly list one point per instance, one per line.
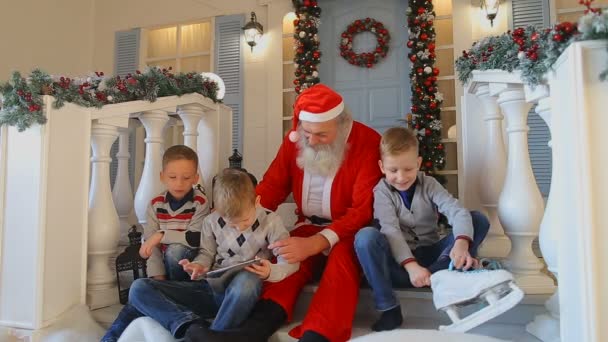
(22, 98)
(533, 51)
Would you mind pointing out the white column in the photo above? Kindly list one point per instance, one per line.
(496, 244)
(122, 192)
(103, 221)
(520, 206)
(546, 326)
(149, 186)
(191, 115)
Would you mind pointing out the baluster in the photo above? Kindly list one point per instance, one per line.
(122, 192)
(496, 244)
(520, 205)
(150, 185)
(103, 221)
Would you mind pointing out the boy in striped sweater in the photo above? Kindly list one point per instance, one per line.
(174, 217)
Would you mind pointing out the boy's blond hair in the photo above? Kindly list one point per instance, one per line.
(233, 193)
(397, 140)
(179, 152)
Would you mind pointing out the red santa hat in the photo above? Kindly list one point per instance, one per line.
(318, 103)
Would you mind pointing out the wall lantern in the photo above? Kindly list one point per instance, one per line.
(253, 31)
(491, 9)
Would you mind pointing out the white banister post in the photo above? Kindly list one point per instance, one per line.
(496, 244)
(191, 115)
(103, 221)
(122, 192)
(520, 206)
(154, 122)
(546, 327)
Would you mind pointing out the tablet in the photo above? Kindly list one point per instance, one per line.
(220, 271)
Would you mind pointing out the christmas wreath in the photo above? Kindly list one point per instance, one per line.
(365, 59)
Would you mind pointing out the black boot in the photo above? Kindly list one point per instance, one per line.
(265, 319)
(312, 336)
(389, 320)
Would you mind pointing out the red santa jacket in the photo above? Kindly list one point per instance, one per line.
(352, 187)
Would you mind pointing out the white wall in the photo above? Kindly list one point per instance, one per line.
(55, 35)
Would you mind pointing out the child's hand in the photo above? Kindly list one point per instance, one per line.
(419, 276)
(159, 277)
(194, 269)
(262, 270)
(148, 246)
(460, 255)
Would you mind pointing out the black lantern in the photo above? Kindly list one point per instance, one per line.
(129, 265)
(253, 31)
(235, 160)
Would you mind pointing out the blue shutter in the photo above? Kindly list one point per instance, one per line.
(229, 66)
(126, 52)
(126, 60)
(530, 13)
(535, 13)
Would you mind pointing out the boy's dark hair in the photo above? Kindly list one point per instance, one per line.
(233, 192)
(397, 140)
(179, 152)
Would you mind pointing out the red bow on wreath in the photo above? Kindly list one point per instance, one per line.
(365, 59)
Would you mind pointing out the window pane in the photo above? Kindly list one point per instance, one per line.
(162, 42)
(288, 100)
(443, 29)
(288, 22)
(196, 38)
(446, 87)
(445, 62)
(443, 7)
(198, 64)
(288, 51)
(572, 17)
(288, 75)
(164, 64)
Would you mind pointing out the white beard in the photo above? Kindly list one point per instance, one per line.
(322, 160)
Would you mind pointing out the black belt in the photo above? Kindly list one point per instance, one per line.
(318, 221)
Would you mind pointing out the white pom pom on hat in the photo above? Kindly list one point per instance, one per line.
(318, 103)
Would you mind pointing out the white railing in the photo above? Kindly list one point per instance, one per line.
(61, 218)
(572, 103)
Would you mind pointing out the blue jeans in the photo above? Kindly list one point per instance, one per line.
(383, 272)
(173, 254)
(175, 304)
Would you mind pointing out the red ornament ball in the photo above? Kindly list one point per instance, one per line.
(436, 71)
(428, 164)
(421, 10)
(428, 132)
(413, 58)
(433, 105)
(316, 54)
(440, 147)
(410, 44)
(424, 36)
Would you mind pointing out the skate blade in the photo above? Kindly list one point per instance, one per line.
(496, 307)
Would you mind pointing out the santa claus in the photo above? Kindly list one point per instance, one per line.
(330, 164)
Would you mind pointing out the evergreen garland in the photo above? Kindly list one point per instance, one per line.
(306, 39)
(425, 111)
(22, 99)
(530, 50)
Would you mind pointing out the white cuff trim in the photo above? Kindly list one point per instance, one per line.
(332, 237)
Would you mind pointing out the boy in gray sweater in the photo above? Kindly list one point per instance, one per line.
(407, 248)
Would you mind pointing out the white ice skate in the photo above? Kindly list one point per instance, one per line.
(454, 289)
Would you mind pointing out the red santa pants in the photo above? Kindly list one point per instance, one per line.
(333, 305)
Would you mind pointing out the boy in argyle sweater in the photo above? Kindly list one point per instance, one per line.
(238, 230)
(174, 217)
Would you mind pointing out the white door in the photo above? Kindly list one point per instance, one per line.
(378, 96)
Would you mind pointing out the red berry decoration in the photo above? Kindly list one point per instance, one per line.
(365, 59)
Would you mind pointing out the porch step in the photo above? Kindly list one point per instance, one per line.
(418, 312)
